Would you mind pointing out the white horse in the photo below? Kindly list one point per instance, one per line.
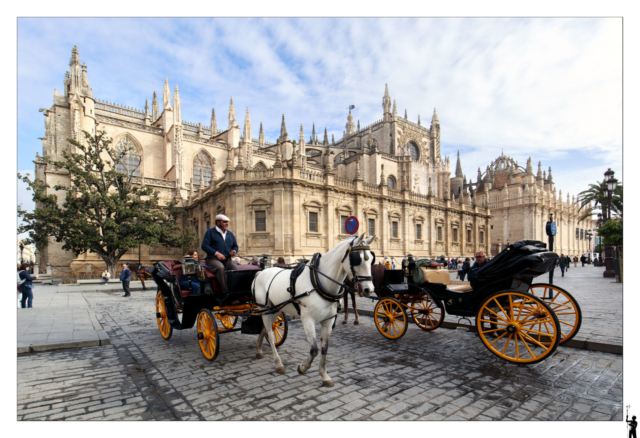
(343, 261)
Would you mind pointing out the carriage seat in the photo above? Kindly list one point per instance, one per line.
(442, 276)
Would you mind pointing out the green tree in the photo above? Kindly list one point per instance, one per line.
(611, 231)
(593, 200)
(105, 212)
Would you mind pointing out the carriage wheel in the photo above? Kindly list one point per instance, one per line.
(564, 306)
(427, 315)
(227, 321)
(391, 320)
(280, 329)
(515, 316)
(163, 320)
(208, 335)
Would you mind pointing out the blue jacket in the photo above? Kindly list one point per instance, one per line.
(27, 277)
(125, 275)
(475, 268)
(212, 243)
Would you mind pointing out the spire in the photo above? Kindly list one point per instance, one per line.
(350, 125)
(166, 95)
(154, 108)
(544, 175)
(434, 119)
(529, 167)
(177, 112)
(283, 132)
(313, 140)
(333, 140)
(232, 115)
(278, 162)
(261, 137)
(75, 57)
(550, 176)
(301, 134)
(395, 111)
(326, 138)
(247, 128)
(458, 167)
(382, 179)
(418, 119)
(405, 115)
(229, 158)
(146, 107)
(358, 125)
(214, 124)
(539, 176)
(479, 175)
(386, 101)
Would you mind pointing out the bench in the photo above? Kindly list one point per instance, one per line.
(442, 276)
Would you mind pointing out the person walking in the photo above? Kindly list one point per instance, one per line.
(26, 287)
(464, 270)
(105, 276)
(125, 278)
(583, 259)
(568, 262)
(562, 262)
(575, 261)
(393, 264)
(220, 245)
(387, 265)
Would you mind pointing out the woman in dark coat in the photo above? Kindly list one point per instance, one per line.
(27, 287)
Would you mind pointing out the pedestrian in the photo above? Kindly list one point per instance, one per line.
(464, 270)
(125, 278)
(393, 264)
(583, 259)
(280, 263)
(562, 262)
(26, 287)
(387, 265)
(575, 261)
(568, 262)
(105, 276)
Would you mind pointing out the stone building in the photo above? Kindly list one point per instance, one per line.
(285, 198)
(521, 202)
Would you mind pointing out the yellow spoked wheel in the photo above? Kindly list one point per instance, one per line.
(208, 335)
(507, 324)
(163, 320)
(226, 321)
(426, 314)
(391, 320)
(280, 329)
(563, 305)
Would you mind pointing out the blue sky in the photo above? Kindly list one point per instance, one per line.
(546, 88)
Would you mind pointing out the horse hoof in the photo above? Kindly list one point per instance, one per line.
(300, 370)
(259, 355)
(356, 323)
(280, 370)
(327, 383)
(344, 322)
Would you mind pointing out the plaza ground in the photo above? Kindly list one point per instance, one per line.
(440, 375)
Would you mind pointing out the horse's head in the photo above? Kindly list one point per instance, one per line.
(357, 263)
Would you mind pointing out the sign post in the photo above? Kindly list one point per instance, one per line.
(551, 233)
(351, 225)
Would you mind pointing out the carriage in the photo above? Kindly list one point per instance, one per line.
(212, 311)
(506, 304)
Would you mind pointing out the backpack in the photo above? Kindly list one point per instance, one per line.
(466, 266)
(20, 280)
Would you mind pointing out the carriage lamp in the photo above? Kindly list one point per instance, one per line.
(189, 266)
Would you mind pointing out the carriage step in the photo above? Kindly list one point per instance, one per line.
(463, 328)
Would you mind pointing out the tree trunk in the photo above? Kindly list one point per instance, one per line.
(112, 264)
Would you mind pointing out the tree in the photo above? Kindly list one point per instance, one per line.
(611, 231)
(105, 212)
(595, 194)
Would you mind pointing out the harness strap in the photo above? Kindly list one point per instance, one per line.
(315, 281)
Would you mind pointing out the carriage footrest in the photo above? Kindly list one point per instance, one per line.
(464, 327)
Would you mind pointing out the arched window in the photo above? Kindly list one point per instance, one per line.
(130, 163)
(413, 151)
(202, 169)
(391, 182)
(260, 166)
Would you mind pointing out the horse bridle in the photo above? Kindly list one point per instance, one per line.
(355, 259)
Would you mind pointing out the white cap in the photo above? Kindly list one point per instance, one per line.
(222, 217)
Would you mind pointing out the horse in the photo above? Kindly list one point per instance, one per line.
(345, 296)
(317, 296)
(141, 272)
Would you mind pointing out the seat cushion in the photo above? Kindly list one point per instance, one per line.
(460, 286)
(436, 276)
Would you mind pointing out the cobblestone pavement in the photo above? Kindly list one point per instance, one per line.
(444, 374)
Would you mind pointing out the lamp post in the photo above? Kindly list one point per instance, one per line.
(589, 235)
(611, 184)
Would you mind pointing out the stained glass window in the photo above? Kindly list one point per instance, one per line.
(202, 169)
(130, 163)
(413, 151)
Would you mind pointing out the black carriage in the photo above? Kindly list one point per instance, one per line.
(516, 320)
(179, 309)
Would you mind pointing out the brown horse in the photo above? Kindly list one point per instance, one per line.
(345, 296)
(141, 272)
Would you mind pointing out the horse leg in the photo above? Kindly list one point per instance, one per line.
(325, 334)
(259, 354)
(268, 320)
(345, 296)
(141, 277)
(355, 309)
(310, 330)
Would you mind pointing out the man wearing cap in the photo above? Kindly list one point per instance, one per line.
(220, 246)
(480, 261)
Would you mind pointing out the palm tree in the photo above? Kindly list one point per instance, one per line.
(596, 195)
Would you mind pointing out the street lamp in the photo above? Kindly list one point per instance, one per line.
(611, 184)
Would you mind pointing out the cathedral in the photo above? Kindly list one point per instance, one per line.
(291, 197)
